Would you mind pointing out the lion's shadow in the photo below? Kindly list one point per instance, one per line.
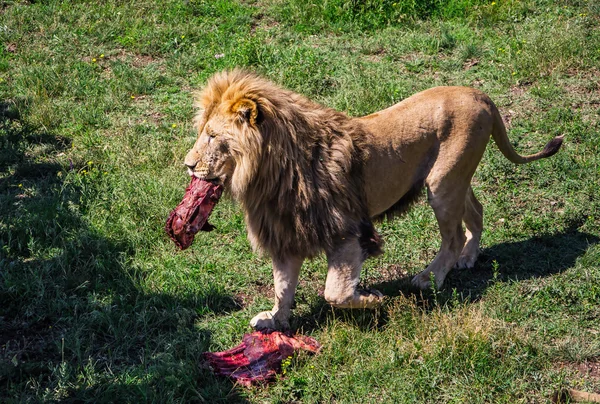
(70, 299)
(536, 257)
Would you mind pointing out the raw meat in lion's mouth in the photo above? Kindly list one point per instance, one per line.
(258, 358)
(191, 215)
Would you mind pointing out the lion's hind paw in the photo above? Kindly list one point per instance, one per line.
(424, 279)
(466, 262)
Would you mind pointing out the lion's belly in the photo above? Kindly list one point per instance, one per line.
(399, 157)
(392, 171)
(381, 199)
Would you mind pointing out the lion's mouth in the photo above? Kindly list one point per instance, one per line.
(201, 175)
(213, 180)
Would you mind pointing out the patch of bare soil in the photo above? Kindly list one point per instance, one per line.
(264, 289)
(519, 89)
(507, 117)
(589, 368)
(377, 55)
(469, 63)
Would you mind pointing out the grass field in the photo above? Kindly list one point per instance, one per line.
(97, 305)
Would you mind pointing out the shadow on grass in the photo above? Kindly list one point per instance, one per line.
(536, 257)
(74, 324)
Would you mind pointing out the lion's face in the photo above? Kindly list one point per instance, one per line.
(228, 147)
(211, 158)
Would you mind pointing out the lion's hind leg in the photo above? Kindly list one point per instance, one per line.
(448, 206)
(473, 218)
(345, 263)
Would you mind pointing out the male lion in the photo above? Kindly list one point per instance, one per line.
(310, 178)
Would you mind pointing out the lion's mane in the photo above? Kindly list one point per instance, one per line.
(298, 172)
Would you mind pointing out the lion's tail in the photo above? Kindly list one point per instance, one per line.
(501, 139)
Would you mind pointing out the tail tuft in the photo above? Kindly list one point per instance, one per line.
(553, 146)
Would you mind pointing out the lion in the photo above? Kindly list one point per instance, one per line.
(311, 179)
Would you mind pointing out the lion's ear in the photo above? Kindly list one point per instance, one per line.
(247, 110)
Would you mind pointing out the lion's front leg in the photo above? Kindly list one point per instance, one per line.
(343, 276)
(285, 275)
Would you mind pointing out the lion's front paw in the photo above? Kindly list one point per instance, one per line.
(370, 298)
(267, 320)
(360, 299)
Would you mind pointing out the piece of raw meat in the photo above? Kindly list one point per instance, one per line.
(191, 215)
(258, 358)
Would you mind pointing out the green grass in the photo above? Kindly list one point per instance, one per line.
(96, 304)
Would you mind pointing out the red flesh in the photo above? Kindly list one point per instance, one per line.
(191, 215)
(258, 358)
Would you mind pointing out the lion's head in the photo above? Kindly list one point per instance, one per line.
(294, 165)
(226, 148)
(229, 147)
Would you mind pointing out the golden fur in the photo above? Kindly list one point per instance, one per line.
(310, 178)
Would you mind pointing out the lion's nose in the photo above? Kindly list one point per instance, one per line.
(191, 159)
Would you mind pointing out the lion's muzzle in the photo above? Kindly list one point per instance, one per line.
(195, 166)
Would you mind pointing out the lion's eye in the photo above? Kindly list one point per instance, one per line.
(211, 135)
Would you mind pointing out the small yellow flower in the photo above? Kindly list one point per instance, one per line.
(174, 125)
(514, 73)
(493, 3)
(89, 163)
(106, 172)
(20, 185)
(182, 36)
(94, 60)
(102, 56)
(133, 97)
